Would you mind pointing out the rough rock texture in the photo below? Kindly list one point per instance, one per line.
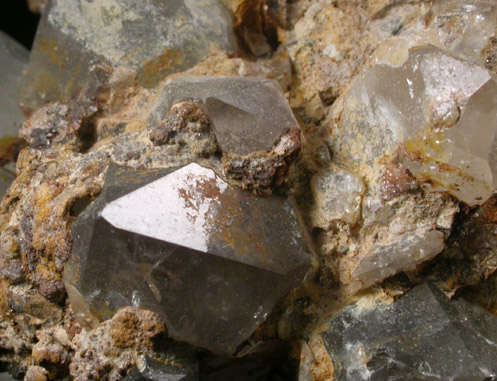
(379, 230)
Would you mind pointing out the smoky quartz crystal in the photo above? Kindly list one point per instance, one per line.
(211, 258)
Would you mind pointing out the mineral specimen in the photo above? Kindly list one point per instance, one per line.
(464, 27)
(210, 258)
(253, 123)
(249, 114)
(337, 194)
(77, 35)
(148, 369)
(424, 336)
(436, 109)
(13, 61)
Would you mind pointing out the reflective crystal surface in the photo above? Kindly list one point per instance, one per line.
(436, 110)
(464, 27)
(405, 254)
(212, 259)
(153, 38)
(337, 195)
(423, 336)
(248, 114)
(148, 369)
(13, 61)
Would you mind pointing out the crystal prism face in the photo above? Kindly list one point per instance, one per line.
(212, 259)
(422, 336)
(148, 369)
(154, 39)
(436, 110)
(13, 62)
(248, 114)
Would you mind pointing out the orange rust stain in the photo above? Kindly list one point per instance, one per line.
(51, 49)
(155, 69)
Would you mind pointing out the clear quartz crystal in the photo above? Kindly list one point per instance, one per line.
(464, 27)
(153, 38)
(437, 110)
(212, 259)
(422, 336)
(337, 196)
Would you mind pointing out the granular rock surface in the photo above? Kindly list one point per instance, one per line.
(376, 116)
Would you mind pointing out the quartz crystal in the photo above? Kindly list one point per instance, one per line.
(464, 27)
(248, 114)
(405, 254)
(337, 194)
(434, 110)
(13, 61)
(211, 258)
(153, 38)
(423, 336)
(148, 369)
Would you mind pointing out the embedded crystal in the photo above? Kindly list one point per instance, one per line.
(422, 336)
(248, 114)
(148, 369)
(13, 61)
(154, 39)
(337, 194)
(211, 258)
(405, 254)
(434, 110)
(464, 27)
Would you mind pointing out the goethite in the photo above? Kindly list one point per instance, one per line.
(211, 258)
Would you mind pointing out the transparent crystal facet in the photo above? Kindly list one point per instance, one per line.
(423, 336)
(210, 258)
(337, 195)
(248, 114)
(437, 109)
(13, 62)
(153, 38)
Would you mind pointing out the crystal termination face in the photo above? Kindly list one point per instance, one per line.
(423, 336)
(212, 259)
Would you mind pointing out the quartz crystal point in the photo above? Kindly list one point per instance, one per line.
(148, 369)
(248, 114)
(464, 27)
(437, 111)
(423, 336)
(153, 38)
(13, 61)
(212, 259)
